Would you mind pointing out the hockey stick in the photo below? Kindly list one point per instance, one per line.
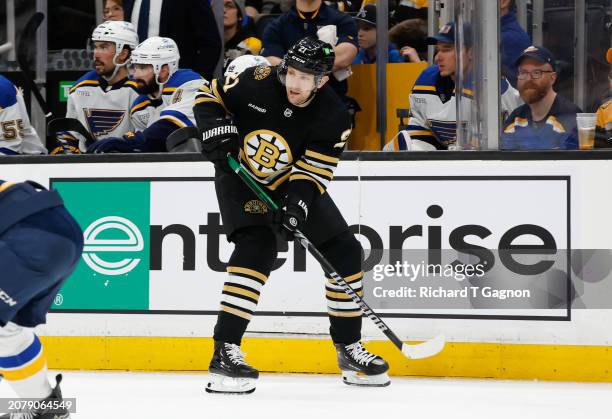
(184, 140)
(69, 124)
(22, 58)
(412, 351)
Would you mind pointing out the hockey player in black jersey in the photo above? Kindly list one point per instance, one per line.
(288, 129)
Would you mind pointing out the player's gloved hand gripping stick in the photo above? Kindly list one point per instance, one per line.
(412, 351)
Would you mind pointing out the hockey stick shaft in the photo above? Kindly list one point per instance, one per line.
(22, 58)
(426, 349)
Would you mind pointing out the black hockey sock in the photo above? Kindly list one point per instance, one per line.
(345, 254)
(248, 269)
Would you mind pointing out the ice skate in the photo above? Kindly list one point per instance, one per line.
(45, 413)
(228, 371)
(360, 367)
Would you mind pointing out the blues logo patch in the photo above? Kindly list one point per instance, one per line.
(103, 121)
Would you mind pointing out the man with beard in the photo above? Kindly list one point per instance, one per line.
(165, 103)
(546, 120)
(101, 99)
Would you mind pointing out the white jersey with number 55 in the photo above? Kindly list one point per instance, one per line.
(17, 136)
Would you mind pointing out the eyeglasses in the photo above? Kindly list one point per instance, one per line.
(535, 74)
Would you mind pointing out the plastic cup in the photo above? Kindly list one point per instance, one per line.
(586, 130)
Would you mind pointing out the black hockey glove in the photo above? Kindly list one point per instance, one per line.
(217, 142)
(290, 217)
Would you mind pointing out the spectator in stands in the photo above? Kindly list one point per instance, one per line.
(190, 23)
(239, 36)
(410, 36)
(409, 9)
(603, 131)
(433, 120)
(314, 18)
(366, 19)
(514, 40)
(348, 6)
(253, 8)
(113, 10)
(546, 120)
(17, 135)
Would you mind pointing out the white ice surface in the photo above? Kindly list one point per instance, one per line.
(288, 396)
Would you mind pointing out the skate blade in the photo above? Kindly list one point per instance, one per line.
(354, 378)
(230, 385)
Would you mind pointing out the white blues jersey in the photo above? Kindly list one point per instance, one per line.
(102, 108)
(433, 108)
(17, 136)
(175, 104)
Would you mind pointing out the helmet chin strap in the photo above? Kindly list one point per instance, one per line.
(116, 70)
(308, 99)
(161, 87)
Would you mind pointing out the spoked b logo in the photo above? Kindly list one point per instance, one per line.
(108, 241)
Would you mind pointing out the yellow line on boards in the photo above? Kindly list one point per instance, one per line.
(459, 359)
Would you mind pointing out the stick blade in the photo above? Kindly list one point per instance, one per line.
(425, 349)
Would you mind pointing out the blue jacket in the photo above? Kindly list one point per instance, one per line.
(283, 32)
(394, 56)
(514, 40)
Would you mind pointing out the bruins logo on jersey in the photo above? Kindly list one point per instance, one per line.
(267, 152)
(255, 206)
(262, 71)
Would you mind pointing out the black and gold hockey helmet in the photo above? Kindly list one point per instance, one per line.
(309, 55)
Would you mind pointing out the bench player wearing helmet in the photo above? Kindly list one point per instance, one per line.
(101, 98)
(288, 129)
(165, 103)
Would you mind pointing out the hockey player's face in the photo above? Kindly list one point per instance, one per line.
(145, 79)
(446, 58)
(299, 86)
(104, 52)
(537, 80)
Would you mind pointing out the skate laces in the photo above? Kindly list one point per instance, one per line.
(235, 354)
(359, 353)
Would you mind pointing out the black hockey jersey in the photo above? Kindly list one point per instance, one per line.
(278, 141)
